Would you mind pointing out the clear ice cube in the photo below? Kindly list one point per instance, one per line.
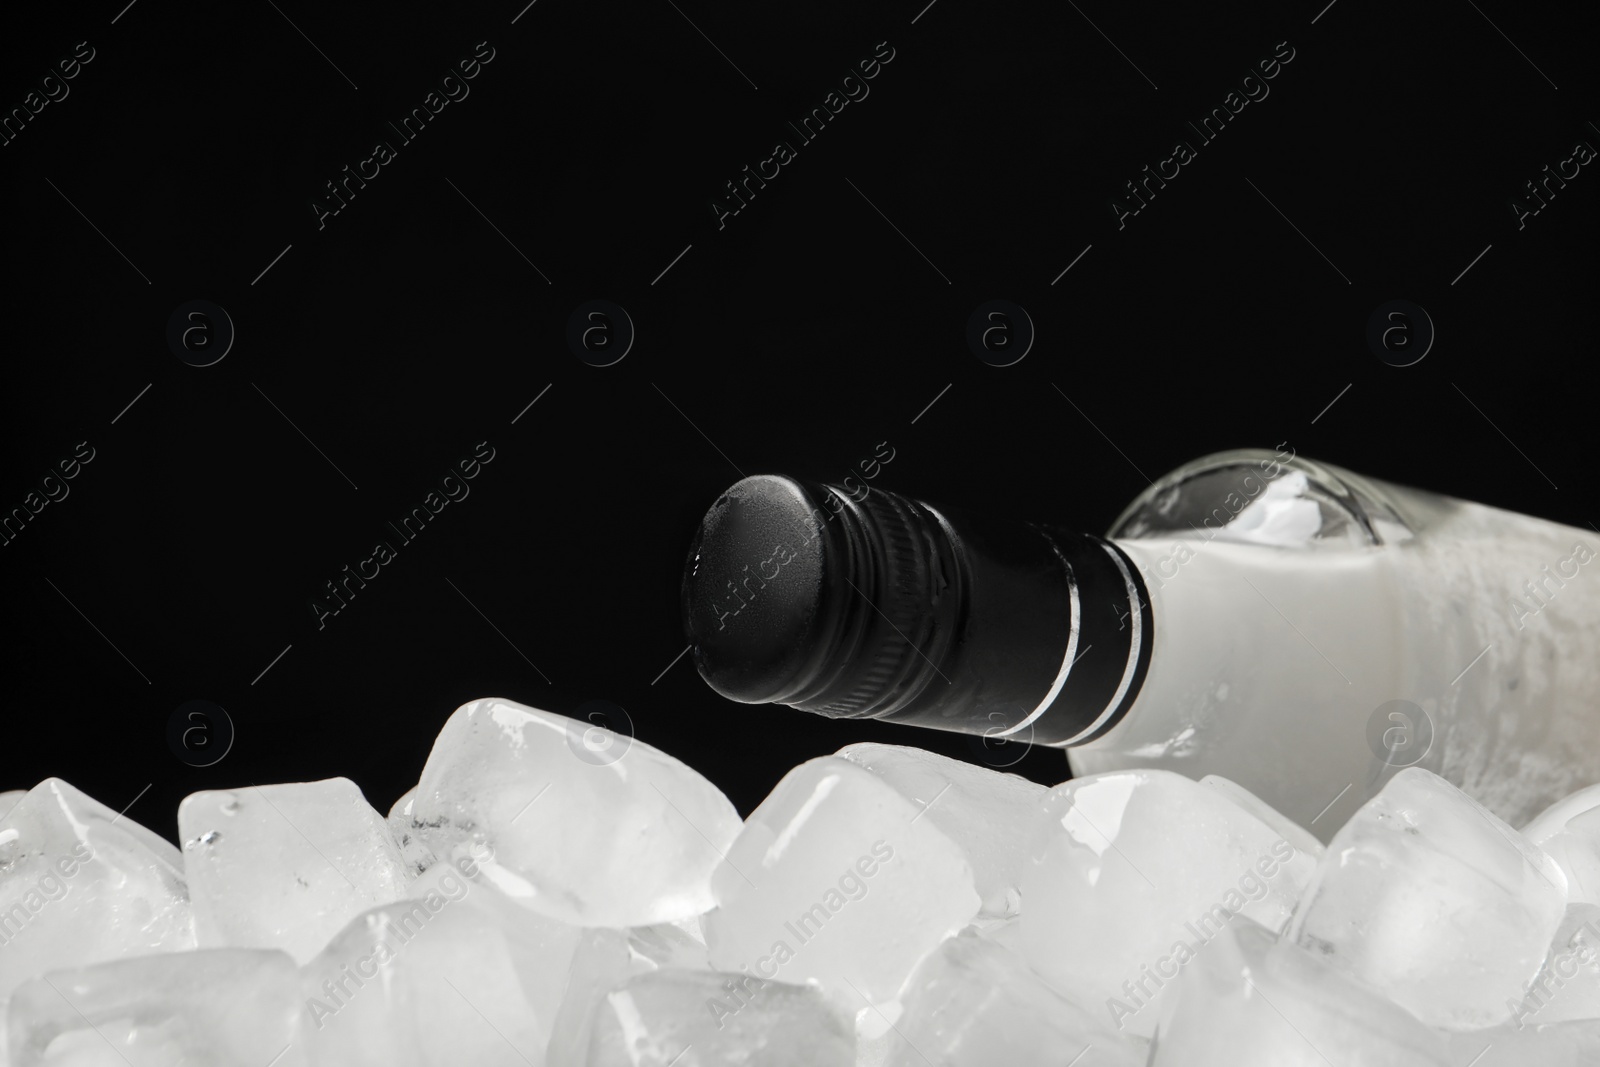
(974, 1003)
(217, 1007)
(836, 878)
(8, 800)
(1249, 1000)
(1431, 898)
(987, 813)
(285, 866)
(1133, 872)
(81, 884)
(608, 833)
(676, 1018)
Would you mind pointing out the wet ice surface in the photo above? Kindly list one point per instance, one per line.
(1429, 897)
(551, 894)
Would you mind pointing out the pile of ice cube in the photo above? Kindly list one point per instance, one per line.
(552, 893)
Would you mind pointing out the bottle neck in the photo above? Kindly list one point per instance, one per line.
(1109, 646)
(962, 622)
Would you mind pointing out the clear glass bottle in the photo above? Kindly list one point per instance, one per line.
(1295, 627)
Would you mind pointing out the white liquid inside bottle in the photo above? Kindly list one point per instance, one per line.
(1317, 631)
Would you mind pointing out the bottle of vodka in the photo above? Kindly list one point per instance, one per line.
(1295, 627)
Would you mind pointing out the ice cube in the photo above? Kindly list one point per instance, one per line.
(676, 1018)
(1303, 840)
(586, 825)
(81, 884)
(1133, 873)
(1553, 819)
(605, 958)
(837, 878)
(975, 1003)
(8, 800)
(987, 813)
(1568, 983)
(1431, 898)
(285, 866)
(218, 1007)
(457, 973)
(416, 856)
(1248, 1000)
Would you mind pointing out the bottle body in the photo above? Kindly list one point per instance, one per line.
(1317, 631)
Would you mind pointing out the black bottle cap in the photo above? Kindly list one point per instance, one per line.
(802, 594)
(751, 632)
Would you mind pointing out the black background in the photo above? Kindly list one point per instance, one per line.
(819, 321)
